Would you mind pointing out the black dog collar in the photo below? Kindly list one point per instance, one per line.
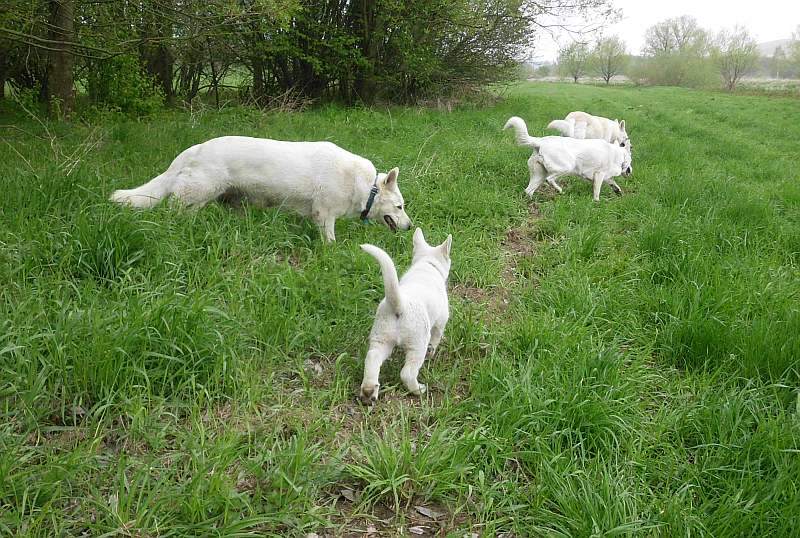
(372, 193)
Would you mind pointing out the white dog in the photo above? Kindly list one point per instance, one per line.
(582, 125)
(412, 315)
(555, 156)
(316, 179)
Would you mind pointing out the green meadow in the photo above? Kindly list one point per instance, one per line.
(621, 368)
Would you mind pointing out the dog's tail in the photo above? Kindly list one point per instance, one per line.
(390, 283)
(149, 194)
(521, 132)
(565, 127)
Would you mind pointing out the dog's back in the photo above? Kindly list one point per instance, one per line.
(582, 125)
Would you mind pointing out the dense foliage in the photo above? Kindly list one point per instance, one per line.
(125, 53)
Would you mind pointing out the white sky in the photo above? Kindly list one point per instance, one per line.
(767, 20)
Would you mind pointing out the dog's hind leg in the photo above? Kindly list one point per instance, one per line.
(538, 175)
(436, 336)
(415, 356)
(551, 179)
(377, 354)
(195, 192)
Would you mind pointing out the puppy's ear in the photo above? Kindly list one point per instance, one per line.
(419, 238)
(390, 181)
(446, 246)
(622, 125)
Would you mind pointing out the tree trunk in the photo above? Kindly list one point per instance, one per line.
(259, 84)
(160, 64)
(364, 27)
(60, 95)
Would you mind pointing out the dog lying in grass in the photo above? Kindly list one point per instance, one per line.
(412, 315)
(585, 126)
(315, 179)
(555, 156)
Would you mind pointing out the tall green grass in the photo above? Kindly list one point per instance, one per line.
(627, 367)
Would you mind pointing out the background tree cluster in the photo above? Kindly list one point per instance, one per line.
(607, 59)
(678, 52)
(135, 54)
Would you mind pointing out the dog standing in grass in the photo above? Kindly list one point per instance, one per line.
(555, 156)
(315, 179)
(412, 315)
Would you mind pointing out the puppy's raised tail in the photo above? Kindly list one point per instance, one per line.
(565, 127)
(147, 195)
(521, 132)
(390, 283)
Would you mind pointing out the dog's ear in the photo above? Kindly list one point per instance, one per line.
(419, 238)
(445, 247)
(622, 125)
(390, 182)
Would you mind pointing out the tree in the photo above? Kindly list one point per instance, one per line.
(794, 48)
(675, 53)
(609, 57)
(676, 35)
(734, 53)
(573, 60)
(59, 82)
(778, 62)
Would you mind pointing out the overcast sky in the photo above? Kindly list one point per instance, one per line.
(767, 20)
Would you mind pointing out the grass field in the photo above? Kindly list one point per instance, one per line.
(622, 368)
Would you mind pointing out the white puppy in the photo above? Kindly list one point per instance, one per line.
(316, 179)
(582, 125)
(412, 315)
(555, 156)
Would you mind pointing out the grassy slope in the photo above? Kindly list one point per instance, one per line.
(627, 367)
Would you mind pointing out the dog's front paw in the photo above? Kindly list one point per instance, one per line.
(421, 389)
(369, 394)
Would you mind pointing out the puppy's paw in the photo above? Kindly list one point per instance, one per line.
(422, 389)
(369, 394)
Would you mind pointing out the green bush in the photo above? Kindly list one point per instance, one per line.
(120, 84)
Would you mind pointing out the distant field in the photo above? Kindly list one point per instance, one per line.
(622, 368)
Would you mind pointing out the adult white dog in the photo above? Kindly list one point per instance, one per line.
(412, 315)
(555, 156)
(315, 179)
(582, 125)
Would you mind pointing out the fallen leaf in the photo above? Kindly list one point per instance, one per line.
(433, 514)
(417, 530)
(350, 495)
(313, 367)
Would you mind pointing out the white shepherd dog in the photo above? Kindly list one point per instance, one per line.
(315, 179)
(556, 156)
(582, 125)
(412, 315)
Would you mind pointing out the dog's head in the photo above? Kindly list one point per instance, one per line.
(625, 143)
(389, 206)
(439, 254)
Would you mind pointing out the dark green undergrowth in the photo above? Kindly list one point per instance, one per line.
(627, 367)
